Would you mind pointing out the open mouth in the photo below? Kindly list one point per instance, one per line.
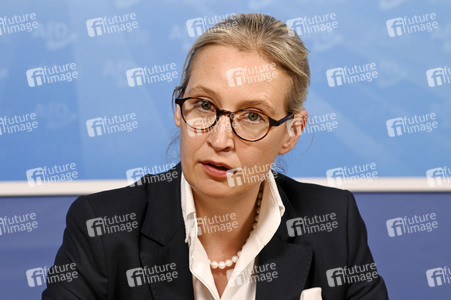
(217, 165)
(220, 167)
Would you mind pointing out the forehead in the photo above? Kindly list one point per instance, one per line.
(233, 74)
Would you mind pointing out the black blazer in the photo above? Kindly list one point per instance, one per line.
(301, 261)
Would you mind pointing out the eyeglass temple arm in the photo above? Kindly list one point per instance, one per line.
(273, 122)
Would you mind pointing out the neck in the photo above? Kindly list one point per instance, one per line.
(238, 212)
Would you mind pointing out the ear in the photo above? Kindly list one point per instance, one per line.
(177, 116)
(295, 127)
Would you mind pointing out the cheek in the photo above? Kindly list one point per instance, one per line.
(256, 155)
(274, 141)
(189, 144)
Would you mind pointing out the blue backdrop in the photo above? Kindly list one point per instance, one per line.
(380, 89)
(402, 260)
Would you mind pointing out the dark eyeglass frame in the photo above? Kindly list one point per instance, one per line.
(230, 114)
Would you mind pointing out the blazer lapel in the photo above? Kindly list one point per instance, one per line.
(292, 261)
(162, 243)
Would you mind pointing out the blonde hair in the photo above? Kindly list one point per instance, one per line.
(269, 37)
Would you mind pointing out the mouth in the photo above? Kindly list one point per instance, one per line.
(216, 165)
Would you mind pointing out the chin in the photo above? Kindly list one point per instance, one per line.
(212, 188)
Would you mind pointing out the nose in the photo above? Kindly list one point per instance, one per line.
(220, 137)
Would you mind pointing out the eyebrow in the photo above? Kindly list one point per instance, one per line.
(202, 89)
(255, 103)
(259, 103)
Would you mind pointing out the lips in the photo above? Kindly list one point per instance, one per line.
(218, 165)
(214, 169)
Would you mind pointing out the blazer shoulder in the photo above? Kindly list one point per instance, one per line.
(111, 202)
(312, 195)
(288, 183)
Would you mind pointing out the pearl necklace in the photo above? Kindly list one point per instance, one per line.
(229, 262)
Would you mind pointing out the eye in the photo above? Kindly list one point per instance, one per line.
(204, 104)
(254, 117)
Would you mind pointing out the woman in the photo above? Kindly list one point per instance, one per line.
(227, 227)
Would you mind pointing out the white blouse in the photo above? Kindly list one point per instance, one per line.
(241, 285)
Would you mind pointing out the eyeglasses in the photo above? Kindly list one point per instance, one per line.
(248, 124)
